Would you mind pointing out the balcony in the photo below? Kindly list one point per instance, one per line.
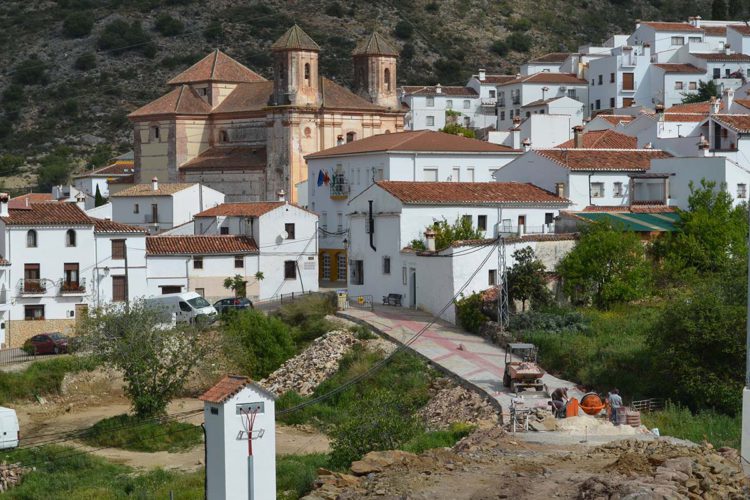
(33, 287)
(510, 230)
(488, 101)
(339, 188)
(73, 288)
(501, 103)
(151, 218)
(516, 100)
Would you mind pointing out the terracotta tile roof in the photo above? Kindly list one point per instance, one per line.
(680, 68)
(200, 245)
(125, 179)
(47, 214)
(377, 45)
(738, 123)
(603, 159)
(552, 57)
(670, 26)
(29, 198)
(250, 209)
(116, 169)
(295, 39)
(548, 77)
(721, 56)
(604, 139)
(743, 102)
(616, 119)
(183, 100)
(444, 90)
(110, 226)
(683, 117)
(498, 78)
(165, 189)
(468, 193)
(742, 29)
(420, 140)
(229, 386)
(334, 96)
(247, 97)
(217, 67)
(540, 102)
(692, 107)
(714, 30)
(228, 158)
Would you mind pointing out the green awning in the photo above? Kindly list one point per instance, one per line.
(663, 221)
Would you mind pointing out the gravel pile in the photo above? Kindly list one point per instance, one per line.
(453, 404)
(304, 372)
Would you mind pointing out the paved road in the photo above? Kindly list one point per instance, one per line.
(467, 356)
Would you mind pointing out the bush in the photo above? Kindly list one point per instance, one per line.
(404, 30)
(41, 378)
(78, 24)
(10, 164)
(519, 24)
(407, 51)
(129, 432)
(335, 9)
(307, 317)
(256, 343)
(563, 321)
(297, 473)
(85, 61)
(54, 170)
(469, 313)
(214, 32)
(432, 8)
(520, 42)
(499, 47)
(168, 25)
(456, 129)
(438, 439)
(31, 71)
(677, 421)
(119, 37)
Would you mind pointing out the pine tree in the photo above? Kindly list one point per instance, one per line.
(98, 198)
(718, 10)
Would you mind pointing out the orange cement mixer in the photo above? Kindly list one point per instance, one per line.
(591, 403)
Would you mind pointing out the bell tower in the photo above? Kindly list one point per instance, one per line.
(295, 72)
(375, 71)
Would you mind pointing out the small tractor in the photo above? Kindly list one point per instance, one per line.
(522, 372)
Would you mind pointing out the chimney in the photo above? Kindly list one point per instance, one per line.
(727, 49)
(578, 137)
(697, 21)
(728, 99)
(482, 75)
(4, 198)
(648, 145)
(81, 201)
(429, 237)
(526, 144)
(438, 89)
(715, 104)
(280, 195)
(703, 145)
(637, 23)
(515, 133)
(155, 184)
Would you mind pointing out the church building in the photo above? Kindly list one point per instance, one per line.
(227, 127)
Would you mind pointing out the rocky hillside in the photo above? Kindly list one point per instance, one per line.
(73, 69)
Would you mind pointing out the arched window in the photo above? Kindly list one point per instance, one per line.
(387, 79)
(351, 136)
(70, 238)
(307, 74)
(31, 239)
(282, 73)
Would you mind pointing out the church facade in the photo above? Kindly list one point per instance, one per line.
(227, 127)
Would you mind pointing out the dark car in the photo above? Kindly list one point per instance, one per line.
(232, 304)
(46, 343)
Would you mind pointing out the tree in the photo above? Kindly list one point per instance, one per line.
(119, 37)
(168, 25)
(238, 284)
(718, 10)
(85, 61)
(256, 343)
(456, 129)
(520, 42)
(403, 30)
(54, 170)
(527, 279)
(499, 47)
(446, 234)
(706, 90)
(155, 361)
(736, 9)
(711, 234)
(78, 24)
(31, 71)
(98, 198)
(10, 164)
(607, 266)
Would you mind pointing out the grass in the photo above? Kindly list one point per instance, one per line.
(438, 439)
(41, 378)
(295, 474)
(719, 430)
(128, 432)
(61, 472)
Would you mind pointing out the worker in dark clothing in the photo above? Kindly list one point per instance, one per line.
(559, 399)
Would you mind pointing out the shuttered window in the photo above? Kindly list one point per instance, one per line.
(118, 249)
(119, 289)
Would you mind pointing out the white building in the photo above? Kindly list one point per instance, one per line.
(61, 261)
(120, 173)
(389, 215)
(406, 156)
(158, 207)
(586, 177)
(432, 107)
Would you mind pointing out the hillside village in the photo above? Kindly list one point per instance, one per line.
(367, 281)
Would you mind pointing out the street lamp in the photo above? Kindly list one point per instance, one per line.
(544, 91)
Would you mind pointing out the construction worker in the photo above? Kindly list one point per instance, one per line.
(559, 399)
(615, 402)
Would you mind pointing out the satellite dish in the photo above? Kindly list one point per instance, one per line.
(284, 235)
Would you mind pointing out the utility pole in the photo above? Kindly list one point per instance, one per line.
(745, 442)
(502, 285)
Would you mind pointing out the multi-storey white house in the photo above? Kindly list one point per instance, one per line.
(341, 173)
(389, 215)
(120, 174)
(538, 87)
(58, 262)
(432, 107)
(160, 206)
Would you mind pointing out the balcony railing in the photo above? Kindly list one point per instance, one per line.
(151, 219)
(516, 100)
(72, 287)
(488, 101)
(509, 230)
(339, 189)
(501, 103)
(33, 287)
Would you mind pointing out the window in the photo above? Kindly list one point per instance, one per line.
(341, 267)
(694, 39)
(403, 275)
(572, 93)
(31, 279)
(430, 121)
(741, 190)
(482, 222)
(521, 220)
(727, 72)
(430, 102)
(549, 218)
(118, 249)
(467, 104)
(197, 262)
(324, 221)
(339, 221)
(387, 79)
(456, 174)
(449, 104)
(119, 289)
(492, 277)
(31, 239)
(204, 91)
(528, 114)
(678, 40)
(506, 226)
(600, 79)
(357, 272)
(617, 191)
(627, 102)
(289, 228)
(628, 81)
(492, 94)
(224, 230)
(70, 238)
(597, 190)
(71, 275)
(155, 132)
(290, 270)
(502, 115)
(678, 85)
(307, 74)
(470, 174)
(33, 313)
(223, 136)
(611, 78)
(717, 73)
(693, 86)
(560, 189)
(239, 261)
(326, 266)
(136, 209)
(166, 289)
(351, 137)
(598, 104)
(611, 102)
(430, 175)
(201, 292)
(386, 265)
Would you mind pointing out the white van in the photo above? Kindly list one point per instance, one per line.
(188, 307)
(10, 432)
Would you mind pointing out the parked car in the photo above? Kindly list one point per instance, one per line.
(10, 433)
(232, 304)
(46, 343)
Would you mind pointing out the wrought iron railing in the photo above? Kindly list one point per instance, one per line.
(72, 287)
(33, 287)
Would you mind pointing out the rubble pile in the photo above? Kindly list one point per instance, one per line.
(661, 469)
(304, 372)
(11, 475)
(452, 404)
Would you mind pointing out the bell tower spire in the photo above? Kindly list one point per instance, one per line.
(295, 72)
(375, 71)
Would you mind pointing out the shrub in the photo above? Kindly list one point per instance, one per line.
(677, 421)
(403, 30)
(214, 32)
(407, 51)
(469, 313)
(520, 42)
(519, 24)
(438, 439)
(41, 378)
(297, 473)
(85, 61)
(456, 129)
(499, 47)
(335, 9)
(256, 343)
(10, 164)
(132, 433)
(31, 71)
(432, 8)
(168, 25)
(78, 24)
(54, 170)
(562, 321)
(119, 37)
(307, 315)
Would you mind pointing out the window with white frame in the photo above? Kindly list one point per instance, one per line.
(469, 174)
(449, 104)
(506, 225)
(324, 221)
(430, 102)
(430, 121)
(456, 174)
(693, 86)
(741, 190)
(678, 40)
(597, 190)
(617, 190)
(339, 222)
(430, 175)
(695, 39)
(678, 85)
(502, 115)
